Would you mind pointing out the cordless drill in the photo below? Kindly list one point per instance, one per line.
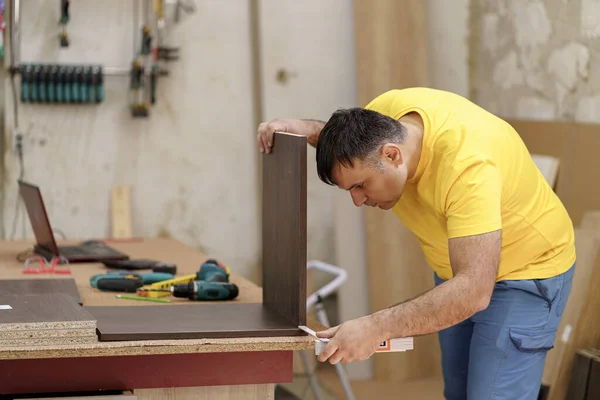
(211, 283)
(201, 291)
(212, 271)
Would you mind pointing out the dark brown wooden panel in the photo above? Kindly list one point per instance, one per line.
(140, 372)
(44, 311)
(189, 321)
(594, 382)
(40, 286)
(284, 227)
(580, 374)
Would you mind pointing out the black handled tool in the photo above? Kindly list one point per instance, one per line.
(141, 264)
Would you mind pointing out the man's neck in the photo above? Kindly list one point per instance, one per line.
(414, 141)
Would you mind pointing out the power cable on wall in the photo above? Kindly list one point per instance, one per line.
(18, 136)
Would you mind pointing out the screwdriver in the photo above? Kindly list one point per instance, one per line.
(53, 77)
(98, 84)
(86, 80)
(76, 84)
(64, 19)
(44, 72)
(68, 83)
(25, 82)
(153, 77)
(61, 84)
(146, 47)
(33, 89)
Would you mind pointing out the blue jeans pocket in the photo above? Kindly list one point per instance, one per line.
(565, 291)
(543, 292)
(530, 340)
(555, 291)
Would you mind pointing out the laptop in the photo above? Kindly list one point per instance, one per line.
(90, 251)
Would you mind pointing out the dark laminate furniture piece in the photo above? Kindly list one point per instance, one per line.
(40, 286)
(189, 321)
(284, 227)
(585, 376)
(43, 311)
(283, 306)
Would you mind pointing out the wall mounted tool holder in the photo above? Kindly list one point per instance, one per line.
(66, 84)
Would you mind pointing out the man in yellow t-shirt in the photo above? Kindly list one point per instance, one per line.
(498, 238)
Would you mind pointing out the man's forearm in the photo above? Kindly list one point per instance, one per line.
(441, 307)
(316, 127)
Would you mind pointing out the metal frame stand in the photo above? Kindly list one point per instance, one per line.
(316, 300)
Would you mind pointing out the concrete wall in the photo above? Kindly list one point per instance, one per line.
(181, 162)
(448, 50)
(537, 59)
(302, 80)
(193, 164)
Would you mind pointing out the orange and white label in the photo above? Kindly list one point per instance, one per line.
(392, 345)
(385, 346)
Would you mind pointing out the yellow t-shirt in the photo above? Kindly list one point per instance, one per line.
(475, 175)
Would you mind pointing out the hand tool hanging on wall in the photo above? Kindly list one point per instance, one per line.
(97, 85)
(161, 52)
(166, 54)
(42, 73)
(76, 84)
(139, 108)
(86, 82)
(69, 72)
(53, 84)
(26, 76)
(61, 83)
(146, 47)
(2, 28)
(34, 89)
(147, 64)
(159, 11)
(64, 20)
(153, 79)
(139, 101)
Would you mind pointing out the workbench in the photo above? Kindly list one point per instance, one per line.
(233, 368)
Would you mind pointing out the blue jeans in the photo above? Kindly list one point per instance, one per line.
(499, 352)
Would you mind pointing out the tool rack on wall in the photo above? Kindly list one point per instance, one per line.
(53, 83)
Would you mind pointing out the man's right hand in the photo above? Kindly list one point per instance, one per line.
(308, 128)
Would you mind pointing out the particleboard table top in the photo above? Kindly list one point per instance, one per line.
(188, 261)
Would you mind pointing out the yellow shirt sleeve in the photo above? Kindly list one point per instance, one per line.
(473, 199)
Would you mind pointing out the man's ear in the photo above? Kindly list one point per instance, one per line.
(391, 153)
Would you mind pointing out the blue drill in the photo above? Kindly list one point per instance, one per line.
(212, 283)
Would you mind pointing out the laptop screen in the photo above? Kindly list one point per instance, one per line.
(40, 224)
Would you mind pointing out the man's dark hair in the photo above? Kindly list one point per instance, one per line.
(354, 133)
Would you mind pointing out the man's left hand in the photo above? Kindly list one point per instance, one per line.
(354, 340)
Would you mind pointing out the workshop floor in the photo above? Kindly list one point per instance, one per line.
(300, 389)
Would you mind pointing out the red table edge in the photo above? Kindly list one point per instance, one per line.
(78, 374)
